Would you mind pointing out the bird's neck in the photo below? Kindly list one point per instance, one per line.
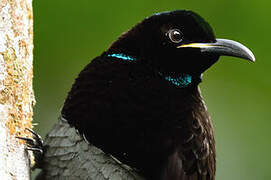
(120, 86)
(181, 80)
(200, 145)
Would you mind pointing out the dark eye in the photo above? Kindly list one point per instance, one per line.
(175, 35)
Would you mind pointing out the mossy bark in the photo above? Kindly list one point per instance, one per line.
(16, 93)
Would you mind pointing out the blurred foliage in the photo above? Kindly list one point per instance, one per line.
(68, 34)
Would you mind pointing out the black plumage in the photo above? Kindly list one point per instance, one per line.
(140, 101)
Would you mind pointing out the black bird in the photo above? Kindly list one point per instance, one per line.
(139, 101)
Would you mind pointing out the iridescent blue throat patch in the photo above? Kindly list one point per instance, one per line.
(122, 56)
(181, 81)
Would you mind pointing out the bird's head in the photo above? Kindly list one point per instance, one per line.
(177, 42)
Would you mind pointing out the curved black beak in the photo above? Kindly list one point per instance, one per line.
(223, 47)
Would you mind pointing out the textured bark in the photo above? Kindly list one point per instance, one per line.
(16, 94)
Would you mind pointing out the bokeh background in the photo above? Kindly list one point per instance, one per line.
(68, 34)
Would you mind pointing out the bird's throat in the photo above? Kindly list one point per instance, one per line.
(182, 80)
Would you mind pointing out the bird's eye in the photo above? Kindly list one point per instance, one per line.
(175, 35)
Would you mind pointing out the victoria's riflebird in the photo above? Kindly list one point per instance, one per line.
(139, 101)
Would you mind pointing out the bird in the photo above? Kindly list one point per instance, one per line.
(139, 102)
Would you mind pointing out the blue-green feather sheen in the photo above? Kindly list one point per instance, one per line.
(122, 56)
(181, 81)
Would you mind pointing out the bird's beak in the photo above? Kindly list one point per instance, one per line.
(223, 47)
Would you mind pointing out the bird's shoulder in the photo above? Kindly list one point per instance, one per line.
(68, 156)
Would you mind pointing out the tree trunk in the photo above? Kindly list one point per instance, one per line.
(16, 93)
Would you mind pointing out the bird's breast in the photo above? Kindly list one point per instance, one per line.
(140, 118)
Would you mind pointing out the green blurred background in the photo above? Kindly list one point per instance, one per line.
(68, 34)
